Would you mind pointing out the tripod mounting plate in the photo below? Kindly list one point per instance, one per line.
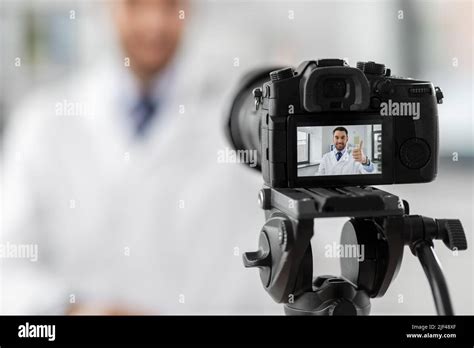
(310, 203)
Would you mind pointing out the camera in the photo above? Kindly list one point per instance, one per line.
(328, 124)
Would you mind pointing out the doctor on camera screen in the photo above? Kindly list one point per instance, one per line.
(331, 151)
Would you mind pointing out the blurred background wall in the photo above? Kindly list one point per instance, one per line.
(421, 39)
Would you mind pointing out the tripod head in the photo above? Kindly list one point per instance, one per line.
(380, 221)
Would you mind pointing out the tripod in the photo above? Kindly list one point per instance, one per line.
(380, 222)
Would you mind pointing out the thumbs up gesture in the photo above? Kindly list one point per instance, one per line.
(358, 154)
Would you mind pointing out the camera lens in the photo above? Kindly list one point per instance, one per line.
(334, 88)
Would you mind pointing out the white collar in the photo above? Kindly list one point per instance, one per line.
(343, 151)
(127, 91)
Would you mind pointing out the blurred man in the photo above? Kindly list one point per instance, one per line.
(150, 32)
(113, 176)
(339, 162)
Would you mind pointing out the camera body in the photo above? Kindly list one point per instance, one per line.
(329, 124)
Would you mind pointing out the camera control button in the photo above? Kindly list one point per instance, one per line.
(282, 74)
(371, 68)
(384, 87)
(415, 153)
(375, 103)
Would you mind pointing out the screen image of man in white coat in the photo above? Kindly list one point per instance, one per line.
(340, 162)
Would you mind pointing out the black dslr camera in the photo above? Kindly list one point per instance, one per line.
(324, 133)
(329, 124)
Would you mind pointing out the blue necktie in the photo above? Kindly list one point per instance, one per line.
(338, 155)
(143, 113)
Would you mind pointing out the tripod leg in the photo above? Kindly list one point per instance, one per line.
(435, 276)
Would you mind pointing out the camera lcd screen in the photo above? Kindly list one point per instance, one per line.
(339, 150)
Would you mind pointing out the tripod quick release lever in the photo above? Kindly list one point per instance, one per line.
(420, 231)
(425, 229)
(451, 232)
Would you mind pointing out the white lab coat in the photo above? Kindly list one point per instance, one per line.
(346, 165)
(158, 226)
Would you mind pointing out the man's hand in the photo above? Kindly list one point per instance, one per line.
(358, 154)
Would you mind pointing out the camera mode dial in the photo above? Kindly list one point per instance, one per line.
(371, 68)
(282, 74)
